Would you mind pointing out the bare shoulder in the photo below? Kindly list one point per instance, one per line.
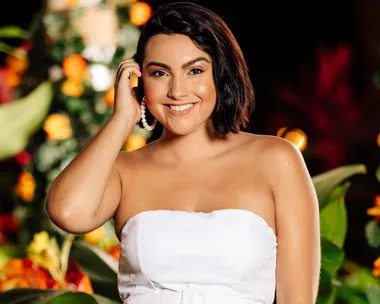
(271, 147)
(131, 158)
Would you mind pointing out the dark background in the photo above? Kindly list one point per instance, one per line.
(278, 37)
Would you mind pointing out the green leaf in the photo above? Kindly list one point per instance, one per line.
(73, 297)
(50, 296)
(332, 257)
(378, 173)
(9, 251)
(99, 266)
(11, 31)
(372, 233)
(325, 182)
(28, 296)
(327, 290)
(349, 295)
(21, 118)
(373, 294)
(358, 277)
(5, 48)
(333, 217)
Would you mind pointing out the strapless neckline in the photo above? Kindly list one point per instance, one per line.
(235, 210)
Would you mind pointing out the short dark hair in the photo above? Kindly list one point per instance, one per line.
(235, 93)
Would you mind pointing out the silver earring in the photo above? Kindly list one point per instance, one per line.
(143, 117)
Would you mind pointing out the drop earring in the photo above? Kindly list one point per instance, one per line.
(143, 117)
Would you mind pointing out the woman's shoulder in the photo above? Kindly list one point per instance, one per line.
(270, 147)
(135, 156)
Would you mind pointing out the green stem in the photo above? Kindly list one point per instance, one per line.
(65, 252)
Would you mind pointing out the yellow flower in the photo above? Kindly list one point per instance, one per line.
(135, 142)
(95, 235)
(57, 126)
(376, 268)
(72, 88)
(41, 242)
(45, 252)
(26, 186)
(71, 3)
(375, 211)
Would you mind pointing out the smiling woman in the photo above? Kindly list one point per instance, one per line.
(179, 86)
(206, 213)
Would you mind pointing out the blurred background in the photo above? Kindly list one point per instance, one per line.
(315, 67)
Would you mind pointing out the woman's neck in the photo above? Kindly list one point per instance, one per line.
(196, 146)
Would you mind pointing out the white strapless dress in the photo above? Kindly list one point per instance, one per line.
(226, 256)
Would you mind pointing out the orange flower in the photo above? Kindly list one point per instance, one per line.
(94, 236)
(24, 273)
(71, 3)
(110, 97)
(114, 251)
(72, 88)
(134, 142)
(375, 211)
(140, 13)
(376, 268)
(75, 67)
(26, 186)
(12, 78)
(57, 127)
(18, 62)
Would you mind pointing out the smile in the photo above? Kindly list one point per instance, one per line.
(180, 109)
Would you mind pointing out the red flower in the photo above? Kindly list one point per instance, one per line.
(23, 158)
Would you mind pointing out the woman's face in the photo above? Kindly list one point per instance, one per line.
(178, 83)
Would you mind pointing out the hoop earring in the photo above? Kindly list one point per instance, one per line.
(143, 117)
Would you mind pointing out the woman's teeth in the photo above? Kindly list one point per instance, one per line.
(181, 107)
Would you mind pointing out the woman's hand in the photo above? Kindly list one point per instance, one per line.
(126, 104)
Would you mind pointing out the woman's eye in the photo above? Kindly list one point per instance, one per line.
(158, 73)
(196, 71)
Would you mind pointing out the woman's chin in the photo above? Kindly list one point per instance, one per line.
(180, 130)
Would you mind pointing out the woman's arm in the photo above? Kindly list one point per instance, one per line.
(297, 225)
(87, 192)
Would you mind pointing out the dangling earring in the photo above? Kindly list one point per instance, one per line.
(143, 117)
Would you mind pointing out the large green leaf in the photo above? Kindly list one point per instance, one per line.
(358, 277)
(12, 31)
(20, 119)
(96, 263)
(99, 266)
(332, 257)
(327, 290)
(327, 181)
(373, 294)
(50, 296)
(372, 233)
(349, 295)
(333, 217)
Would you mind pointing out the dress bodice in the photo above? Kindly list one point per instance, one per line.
(180, 257)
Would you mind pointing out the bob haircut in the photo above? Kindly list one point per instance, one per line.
(235, 94)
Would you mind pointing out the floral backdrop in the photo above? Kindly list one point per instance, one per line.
(56, 92)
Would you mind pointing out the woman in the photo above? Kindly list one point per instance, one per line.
(206, 213)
